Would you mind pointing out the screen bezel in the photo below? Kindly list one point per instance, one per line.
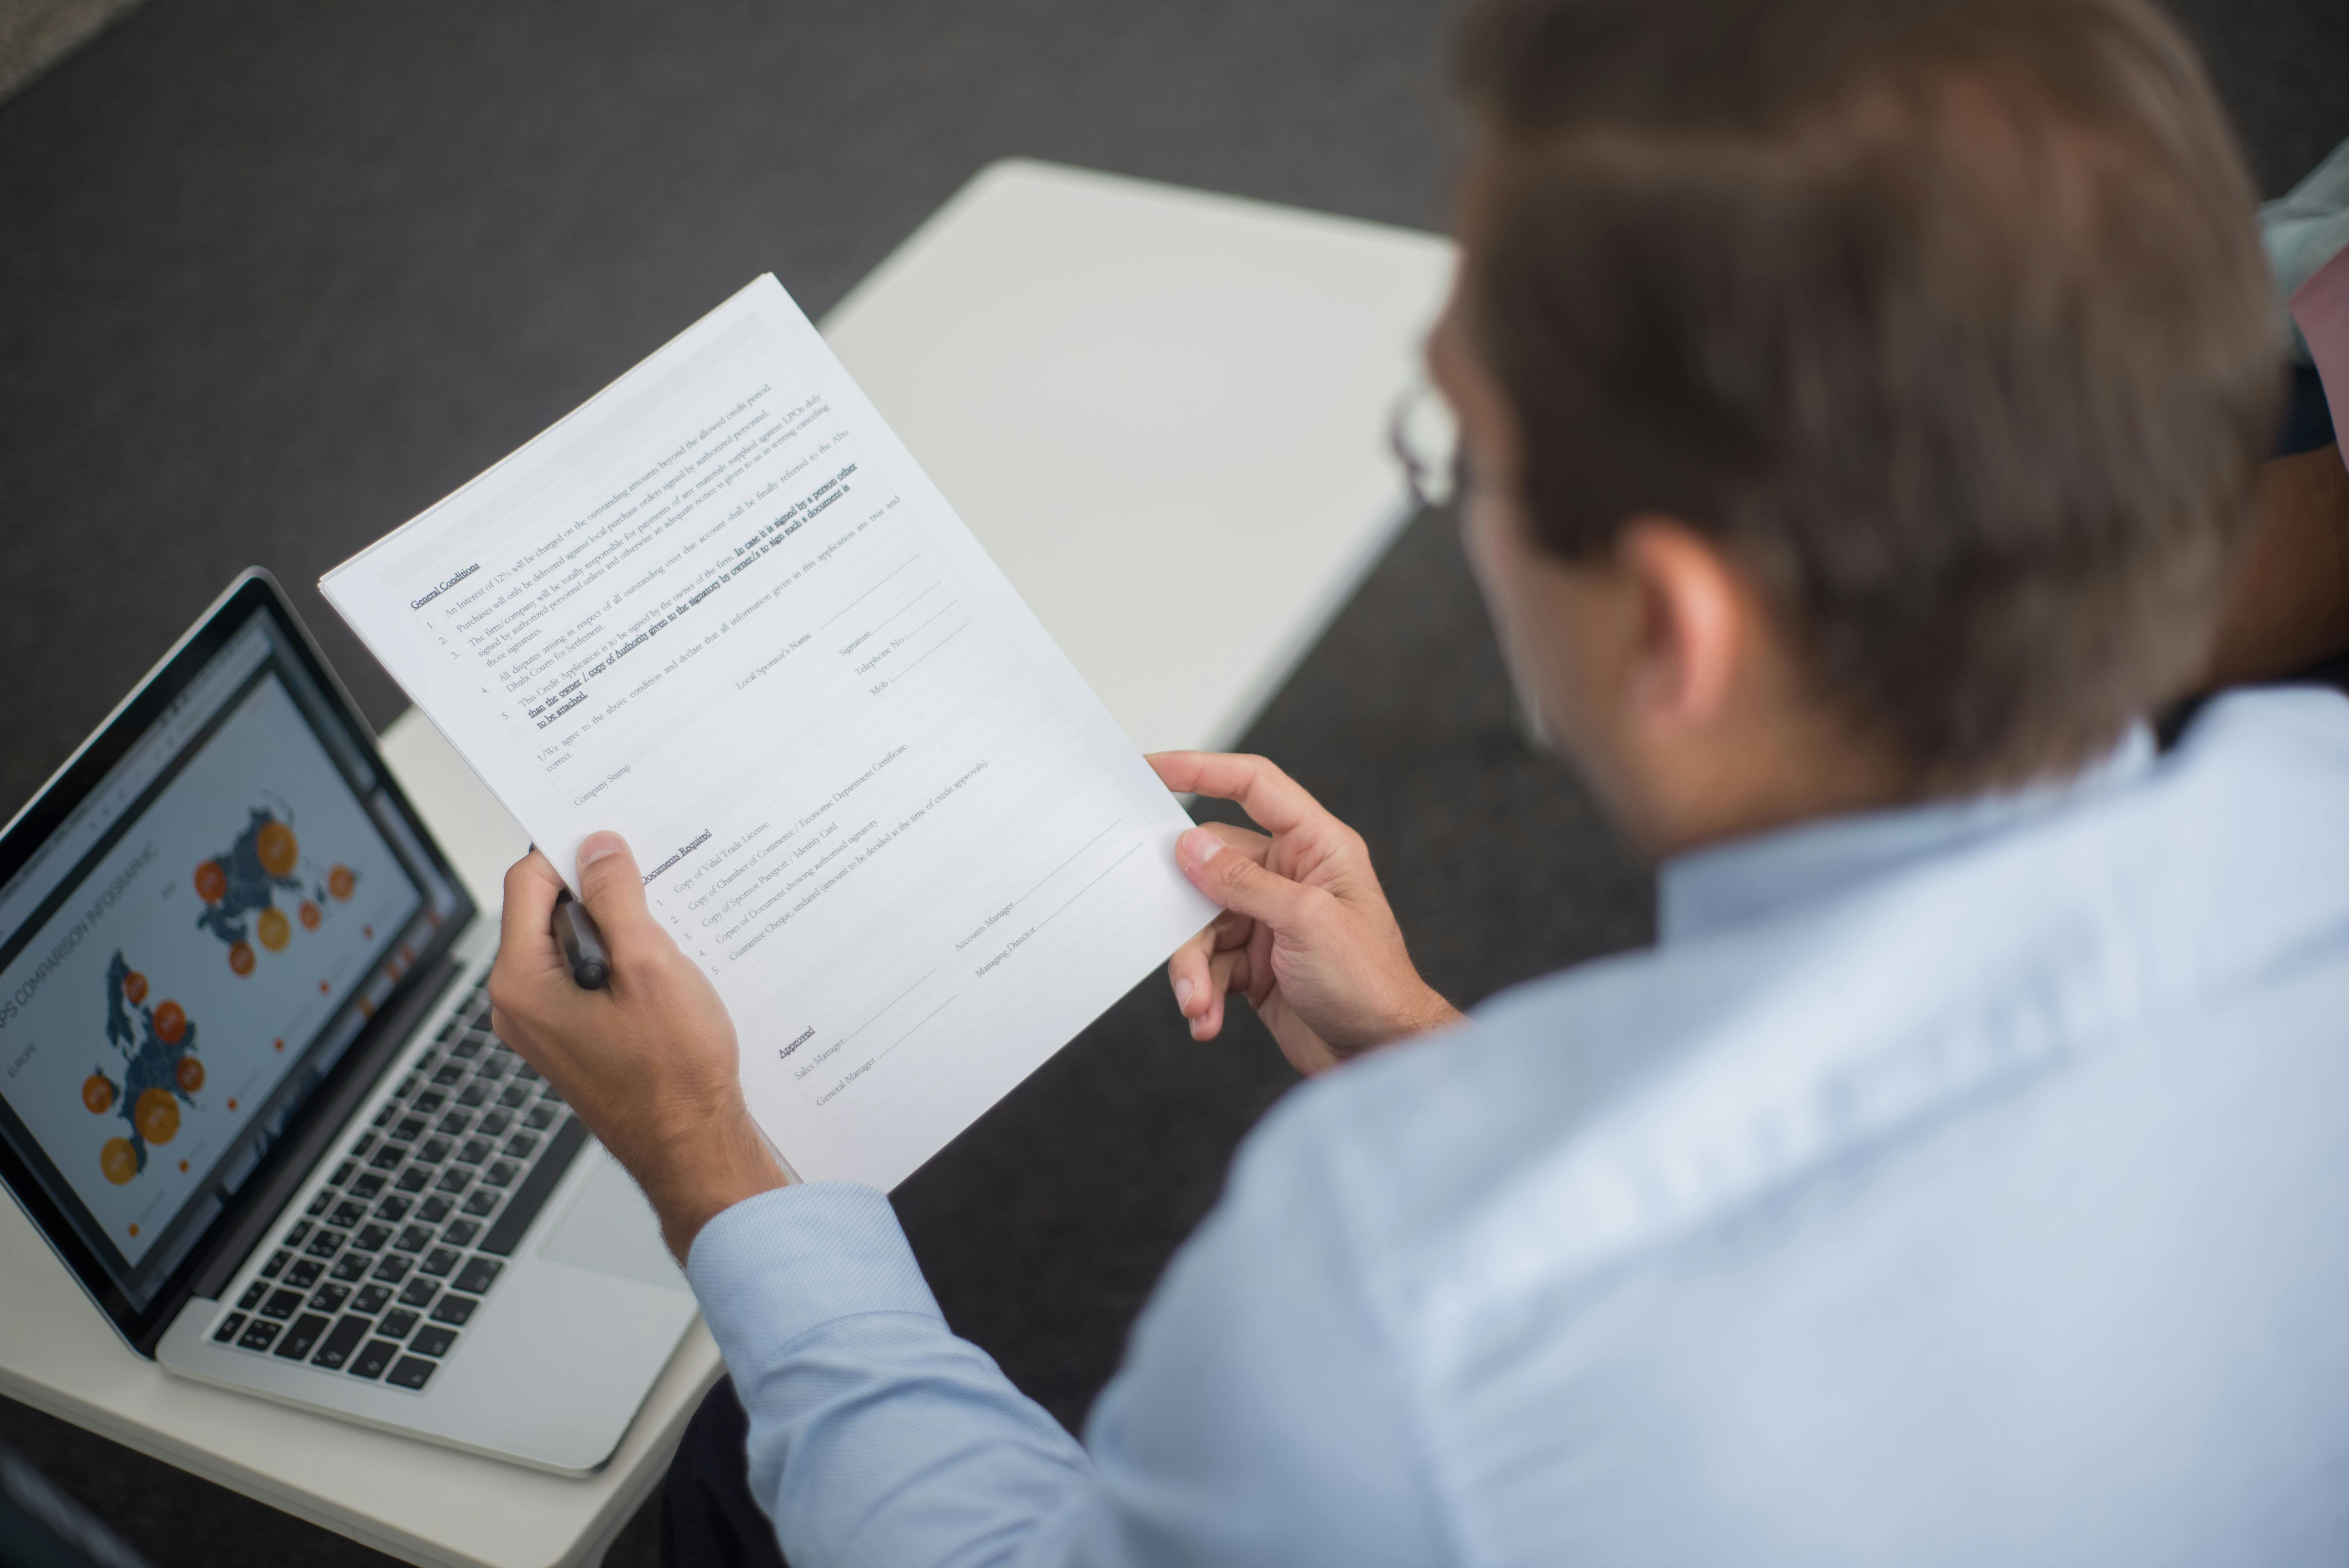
(253, 590)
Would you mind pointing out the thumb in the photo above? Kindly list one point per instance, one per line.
(1232, 878)
(614, 892)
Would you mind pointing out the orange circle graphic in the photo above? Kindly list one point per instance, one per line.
(211, 882)
(157, 1116)
(240, 957)
(134, 987)
(97, 1094)
(118, 1161)
(341, 881)
(310, 915)
(170, 1023)
(276, 849)
(231, 1105)
(184, 1166)
(273, 929)
(189, 1073)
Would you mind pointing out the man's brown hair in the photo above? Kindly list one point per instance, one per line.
(1946, 318)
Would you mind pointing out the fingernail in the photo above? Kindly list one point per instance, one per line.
(1200, 846)
(598, 846)
(1182, 989)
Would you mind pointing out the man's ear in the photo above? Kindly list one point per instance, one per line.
(1696, 615)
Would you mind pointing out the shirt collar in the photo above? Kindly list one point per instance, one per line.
(1724, 884)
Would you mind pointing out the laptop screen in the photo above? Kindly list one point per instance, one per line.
(190, 948)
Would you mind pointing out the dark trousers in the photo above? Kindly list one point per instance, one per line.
(708, 1519)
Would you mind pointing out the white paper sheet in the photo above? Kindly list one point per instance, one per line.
(720, 609)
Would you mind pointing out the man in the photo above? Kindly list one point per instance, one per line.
(1862, 402)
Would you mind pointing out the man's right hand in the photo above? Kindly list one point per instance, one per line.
(1307, 937)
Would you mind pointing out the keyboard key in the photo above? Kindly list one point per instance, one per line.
(365, 1142)
(407, 1086)
(318, 1205)
(501, 1174)
(496, 1121)
(305, 1272)
(453, 1179)
(388, 1155)
(527, 1073)
(348, 1214)
(473, 1094)
(520, 1145)
(329, 1297)
(390, 1108)
(275, 1265)
(439, 1262)
(393, 1210)
(325, 1244)
(412, 1372)
(371, 1299)
(366, 1186)
(255, 1291)
(229, 1326)
(514, 1094)
(448, 1073)
(343, 1172)
(409, 1129)
(453, 1308)
(298, 1235)
(483, 1199)
(466, 1049)
(455, 1122)
(476, 1150)
(282, 1304)
(373, 1358)
(258, 1333)
(415, 1179)
(540, 1115)
(418, 1291)
(493, 1068)
(415, 1238)
(435, 1151)
(302, 1334)
(531, 1196)
(394, 1268)
(460, 1233)
(430, 1100)
(432, 1341)
(436, 1209)
(340, 1343)
(371, 1238)
(351, 1266)
(477, 1275)
(396, 1324)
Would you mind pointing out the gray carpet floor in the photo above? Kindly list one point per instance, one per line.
(274, 274)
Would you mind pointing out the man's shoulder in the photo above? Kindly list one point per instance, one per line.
(1587, 1119)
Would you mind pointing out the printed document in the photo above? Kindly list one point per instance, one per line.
(719, 610)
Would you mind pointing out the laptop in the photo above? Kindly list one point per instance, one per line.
(250, 1092)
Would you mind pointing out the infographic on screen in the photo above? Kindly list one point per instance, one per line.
(162, 1001)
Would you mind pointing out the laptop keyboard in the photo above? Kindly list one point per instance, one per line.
(392, 1256)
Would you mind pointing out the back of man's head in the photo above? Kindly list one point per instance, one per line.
(1947, 319)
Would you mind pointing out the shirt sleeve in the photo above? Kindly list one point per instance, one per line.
(1260, 1418)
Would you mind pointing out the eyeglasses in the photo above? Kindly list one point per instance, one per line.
(1425, 439)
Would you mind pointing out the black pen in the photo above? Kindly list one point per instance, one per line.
(582, 944)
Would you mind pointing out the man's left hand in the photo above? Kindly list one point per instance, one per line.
(649, 1062)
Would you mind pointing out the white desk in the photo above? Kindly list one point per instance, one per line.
(1164, 413)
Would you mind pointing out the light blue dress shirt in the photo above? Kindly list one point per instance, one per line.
(1963, 1184)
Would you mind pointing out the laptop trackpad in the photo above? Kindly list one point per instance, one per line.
(610, 1228)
